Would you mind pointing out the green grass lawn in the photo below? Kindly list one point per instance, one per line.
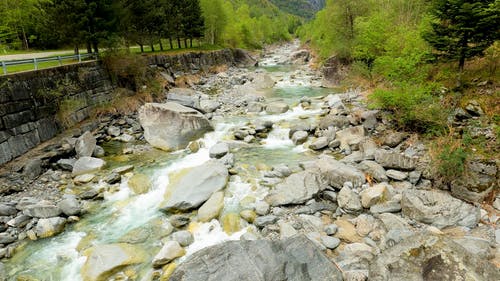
(41, 65)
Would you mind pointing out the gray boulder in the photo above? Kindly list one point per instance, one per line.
(351, 136)
(395, 160)
(299, 137)
(277, 108)
(192, 188)
(480, 180)
(219, 150)
(296, 258)
(209, 106)
(295, 189)
(7, 210)
(429, 257)
(86, 165)
(373, 169)
(337, 173)
(170, 251)
(70, 206)
(49, 227)
(319, 143)
(171, 126)
(183, 237)
(349, 200)
(42, 210)
(85, 145)
(184, 96)
(439, 209)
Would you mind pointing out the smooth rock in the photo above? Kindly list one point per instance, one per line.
(286, 230)
(299, 137)
(330, 242)
(192, 187)
(248, 215)
(374, 170)
(211, 209)
(262, 208)
(113, 131)
(336, 173)
(170, 126)
(373, 195)
(295, 189)
(265, 220)
(6, 238)
(70, 206)
(331, 229)
(296, 258)
(395, 160)
(438, 209)
(350, 136)
(219, 150)
(209, 106)
(170, 251)
(104, 260)
(85, 178)
(49, 227)
(319, 143)
(277, 108)
(7, 210)
(183, 237)
(86, 165)
(42, 210)
(139, 183)
(179, 220)
(396, 175)
(85, 145)
(66, 164)
(349, 200)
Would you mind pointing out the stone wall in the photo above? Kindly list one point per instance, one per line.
(30, 103)
(36, 105)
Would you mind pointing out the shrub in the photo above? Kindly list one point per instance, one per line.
(127, 70)
(449, 157)
(413, 107)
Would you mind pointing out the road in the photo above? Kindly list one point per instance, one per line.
(34, 55)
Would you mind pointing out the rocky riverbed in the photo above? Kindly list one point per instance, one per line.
(253, 173)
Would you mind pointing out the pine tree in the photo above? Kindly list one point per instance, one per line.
(463, 29)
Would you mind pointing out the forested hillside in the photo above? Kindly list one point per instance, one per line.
(302, 8)
(52, 24)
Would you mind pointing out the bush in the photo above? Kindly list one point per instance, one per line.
(127, 70)
(449, 157)
(413, 107)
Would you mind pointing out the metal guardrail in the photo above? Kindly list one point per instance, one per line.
(36, 61)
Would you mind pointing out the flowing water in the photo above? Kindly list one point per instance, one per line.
(124, 216)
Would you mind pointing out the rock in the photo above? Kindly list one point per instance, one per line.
(113, 131)
(33, 169)
(286, 230)
(98, 152)
(171, 126)
(373, 195)
(70, 206)
(261, 208)
(319, 143)
(85, 178)
(209, 106)
(104, 260)
(49, 227)
(219, 150)
(438, 209)
(392, 138)
(86, 165)
(386, 207)
(337, 173)
(296, 258)
(19, 221)
(184, 96)
(184, 237)
(331, 120)
(262, 81)
(125, 138)
(42, 210)
(396, 175)
(299, 137)
(139, 183)
(374, 170)
(349, 200)
(369, 119)
(474, 109)
(211, 209)
(334, 101)
(170, 251)
(480, 180)
(255, 107)
(265, 220)
(6, 238)
(300, 57)
(350, 136)
(368, 147)
(112, 178)
(85, 145)
(66, 164)
(430, 257)
(330, 242)
(192, 187)
(7, 210)
(277, 108)
(331, 229)
(248, 215)
(395, 160)
(295, 189)
(179, 220)
(123, 169)
(346, 231)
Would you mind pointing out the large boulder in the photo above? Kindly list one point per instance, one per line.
(277, 108)
(87, 165)
(351, 136)
(296, 258)
(171, 250)
(395, 160)
(211, 209)
(104, 260)
(480, 180)
(171, 126)
(337, 173)
(185, 96)
(439, 209)
(433, 258)
(49, 227)
(192, 187)
(296, 189)
(42, 210)
(85, 145)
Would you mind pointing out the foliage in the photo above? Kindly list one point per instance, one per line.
(462, 29)
(67, 109)
(413, 107)
(302, 8)
(126, 70)
(449, 156)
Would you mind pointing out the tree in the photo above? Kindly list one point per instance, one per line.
(192, 20)
(215, 20)
(463, 29)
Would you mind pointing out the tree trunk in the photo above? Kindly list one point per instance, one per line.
(191, 42)
(185, 43)
(25, 40)
(76, 49)
(170, 42)
(179, 43)
(142, 48)
(152, 46)
(161, 44)
(96, 47)
(89, 47)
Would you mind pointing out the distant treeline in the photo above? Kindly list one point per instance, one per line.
(52, 24)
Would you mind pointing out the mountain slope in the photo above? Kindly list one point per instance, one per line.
(302, 8)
